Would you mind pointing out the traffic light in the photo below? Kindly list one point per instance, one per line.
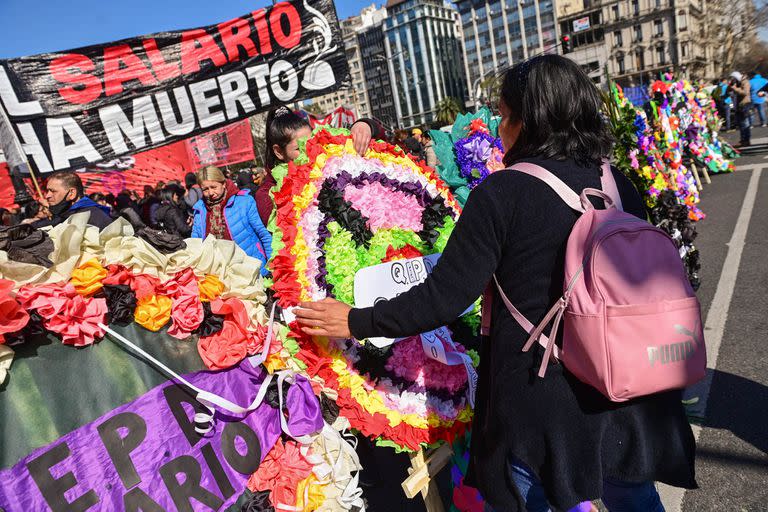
(567, 44)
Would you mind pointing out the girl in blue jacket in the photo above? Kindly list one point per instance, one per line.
(230, 214)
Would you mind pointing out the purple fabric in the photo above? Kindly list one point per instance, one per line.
(145, 454)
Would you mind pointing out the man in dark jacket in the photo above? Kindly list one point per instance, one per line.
(65, 196)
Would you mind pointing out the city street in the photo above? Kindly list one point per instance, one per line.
(732, 457)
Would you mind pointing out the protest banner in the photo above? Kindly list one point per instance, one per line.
(75, 108)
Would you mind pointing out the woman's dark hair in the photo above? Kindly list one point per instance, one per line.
(97, 196)
(124, 200)
(282, 123)
(167, 193)
(190, 180)
(560, 110)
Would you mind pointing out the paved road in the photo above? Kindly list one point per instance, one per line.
(732, 456)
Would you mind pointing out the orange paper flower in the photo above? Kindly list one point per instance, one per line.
(87, 278)
(153, 312)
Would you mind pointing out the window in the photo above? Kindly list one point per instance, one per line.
(620, 63)
(682, 21)
(638, 33)
(639, 59)
(615, 11)
(617, 39)
(658, 3)
(684, 49)
(635, 7)
(660, 55)
(658, 27)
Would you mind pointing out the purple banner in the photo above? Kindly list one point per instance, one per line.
(147, 456)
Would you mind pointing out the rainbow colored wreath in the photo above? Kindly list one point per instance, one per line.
(470, 152)
(337, 212)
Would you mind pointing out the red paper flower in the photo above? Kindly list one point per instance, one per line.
(478, 125)
(13, 315)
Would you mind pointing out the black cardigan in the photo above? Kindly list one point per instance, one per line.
(515, 226)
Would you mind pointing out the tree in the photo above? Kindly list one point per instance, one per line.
(489, 89)
(735, 37)
(448, 109)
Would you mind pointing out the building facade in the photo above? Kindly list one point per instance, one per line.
(355, 96)
(500, 33)
(425, 58)
(632, 41)
(378, 84)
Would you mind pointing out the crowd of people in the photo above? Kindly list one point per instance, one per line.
(741, 101)
(559, 442)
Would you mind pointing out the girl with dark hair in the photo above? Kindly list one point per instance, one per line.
(172, 214)
(537, 443)
(284, 129)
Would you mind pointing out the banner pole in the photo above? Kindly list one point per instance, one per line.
(17, 161)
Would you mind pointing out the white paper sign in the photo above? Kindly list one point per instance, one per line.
(388, 280)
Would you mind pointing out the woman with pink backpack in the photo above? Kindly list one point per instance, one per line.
(559, 240)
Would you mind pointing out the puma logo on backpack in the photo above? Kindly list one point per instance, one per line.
(631, 320)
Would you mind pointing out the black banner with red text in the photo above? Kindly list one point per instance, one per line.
(75, 108)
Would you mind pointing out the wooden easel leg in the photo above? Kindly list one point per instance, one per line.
(696, 176)
(706, 175)
(423, 468)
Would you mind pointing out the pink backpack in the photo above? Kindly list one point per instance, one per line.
(632, 323)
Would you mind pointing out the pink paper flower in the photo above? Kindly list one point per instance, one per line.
(66, 312)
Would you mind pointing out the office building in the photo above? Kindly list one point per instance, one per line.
(424, 54)
(632, 41)
(378, 83)
(500, 33)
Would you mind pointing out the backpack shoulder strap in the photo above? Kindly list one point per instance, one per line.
(608, 183)
(565, 192)
(485, 323)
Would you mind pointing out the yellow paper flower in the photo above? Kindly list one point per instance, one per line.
(210, 288)
(87, 278)
(153, 312)
(313, 491)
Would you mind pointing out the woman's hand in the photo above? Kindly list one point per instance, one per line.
(361, 136)
(327, 317)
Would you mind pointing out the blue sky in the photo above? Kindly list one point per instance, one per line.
(37, 26)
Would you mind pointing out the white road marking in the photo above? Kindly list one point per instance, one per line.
(714, 328)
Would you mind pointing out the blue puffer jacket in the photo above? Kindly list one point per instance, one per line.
(244, 224)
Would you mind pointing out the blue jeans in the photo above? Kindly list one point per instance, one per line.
(760, 109)
(617, 496)
(728, 108)
(744, 120)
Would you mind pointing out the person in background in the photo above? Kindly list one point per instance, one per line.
(244, 181)
(284, 129)
(757, 95)
(148, 206)
(429, 151)
(414, 145)
(127, 208)
(65, 197)
(227, 213)
(194, 194)
(6, 218)
(100, 198)
(739, 86)
(399, 139)
(172, 213)
(724, 102)
(538, 444)
(259, 174)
